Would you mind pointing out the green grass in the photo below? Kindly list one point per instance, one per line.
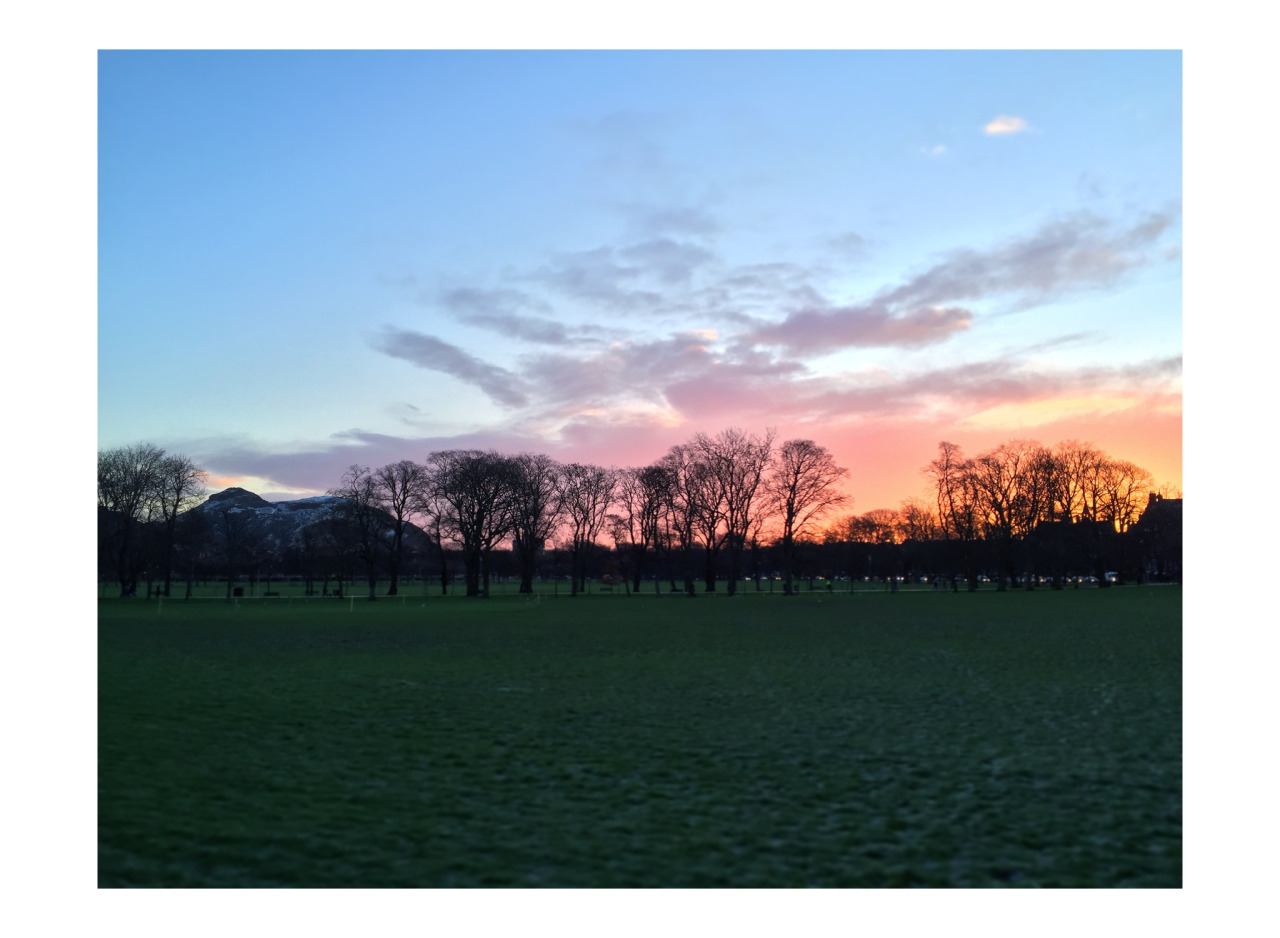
(1019, 739)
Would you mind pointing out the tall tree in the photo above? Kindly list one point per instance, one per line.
(956, 495)
(435, 514)
(736, 464)
(179, 487)
(1076, 467)
(683, 506)
(127, 484)
(362, 507)
(1009, 497)
(472, 493)
(1124, 488)
(586, 493)
(707, 507)
(801, 489)
(635, 528)
(400, 488)
(535, 509)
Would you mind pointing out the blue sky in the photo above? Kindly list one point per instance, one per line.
(327, 258)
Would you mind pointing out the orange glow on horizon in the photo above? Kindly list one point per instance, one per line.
(885, 459)
(1025, 414)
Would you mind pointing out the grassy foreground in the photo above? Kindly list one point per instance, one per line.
(1021, 739)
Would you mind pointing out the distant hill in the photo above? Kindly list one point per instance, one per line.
(277, 526)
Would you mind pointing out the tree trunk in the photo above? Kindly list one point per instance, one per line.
(472, 564)
(393, 562)
(528, 559)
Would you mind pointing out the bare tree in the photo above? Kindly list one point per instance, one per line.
(401, 492)
(640, 496)
(1077, 465)
(736, 464)
(882, 526)
(918, 521)
(179, 486)
(127, 483)
(704, 498)
(586, 493)
(956, 493)
(801, 489)
(435, 512)
(1006, 481)
(1124, 488)
(535, 509)
(472, 494)
(681, 510)
(362, 506)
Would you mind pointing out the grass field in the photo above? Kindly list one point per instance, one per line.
(916, 739)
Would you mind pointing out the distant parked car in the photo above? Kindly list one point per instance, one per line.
(1112, 576)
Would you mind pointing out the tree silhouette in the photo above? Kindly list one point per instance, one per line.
(801, 489)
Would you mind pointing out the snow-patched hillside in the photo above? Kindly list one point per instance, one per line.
(277, 526)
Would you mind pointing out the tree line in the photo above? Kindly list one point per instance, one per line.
(695, 516)
(705, 501)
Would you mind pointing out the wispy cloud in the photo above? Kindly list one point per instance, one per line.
(526, 328)
(1075, 252)
(597, 277)
(467, 301)
(671, 262)
(1006, 125)
(435, 355)
(1060, 341)
(502, 311)
(817, 331)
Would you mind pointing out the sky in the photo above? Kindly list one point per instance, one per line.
(313, 259)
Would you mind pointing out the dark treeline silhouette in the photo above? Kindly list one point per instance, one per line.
(723, 511)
